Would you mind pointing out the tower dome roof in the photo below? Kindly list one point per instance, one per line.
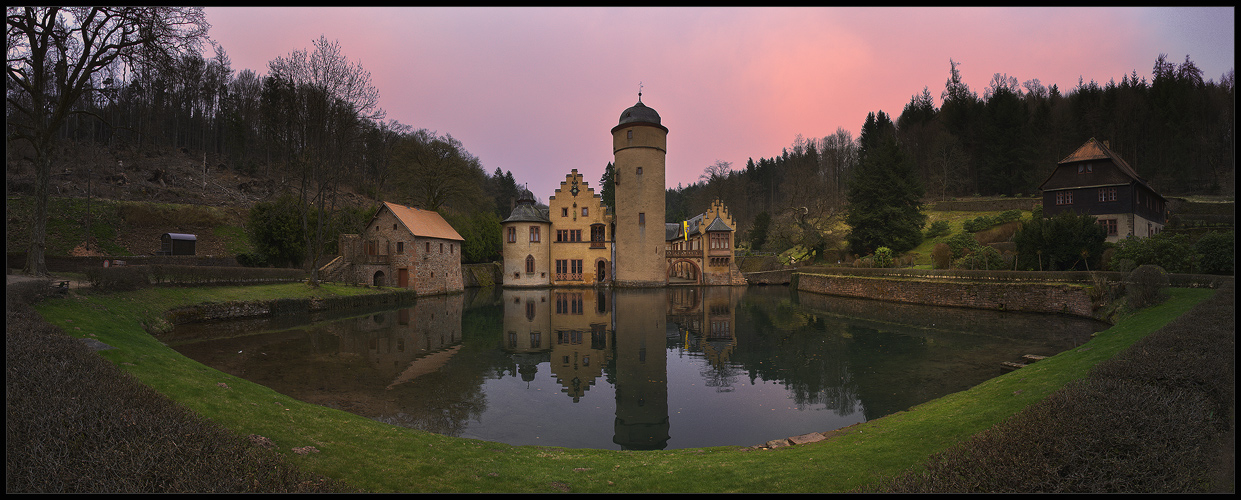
(639, 113)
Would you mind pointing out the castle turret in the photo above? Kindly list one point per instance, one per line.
(639, 144)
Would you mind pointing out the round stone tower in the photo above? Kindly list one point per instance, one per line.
(527, 244)
(639, 144)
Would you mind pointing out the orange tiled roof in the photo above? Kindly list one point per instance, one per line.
(423, 223)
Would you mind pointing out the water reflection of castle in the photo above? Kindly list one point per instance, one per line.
(582, 337)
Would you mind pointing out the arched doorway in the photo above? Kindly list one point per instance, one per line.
(601, 271)
(684, 272)
(378, 280)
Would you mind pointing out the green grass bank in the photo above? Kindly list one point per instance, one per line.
(377, 457)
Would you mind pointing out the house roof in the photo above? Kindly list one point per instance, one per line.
(423, 223)
(527, 212)
(1093, 150)
(718, 225)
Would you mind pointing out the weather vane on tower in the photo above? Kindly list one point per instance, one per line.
(639, 91)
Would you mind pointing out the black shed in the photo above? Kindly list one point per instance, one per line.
(177, 244)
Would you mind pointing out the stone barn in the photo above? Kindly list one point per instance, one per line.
(402, 247)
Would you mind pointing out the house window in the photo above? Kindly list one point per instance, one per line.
(1085, 168)
(428, 247)
(512, 235)
(400, 247)
(564, 212)
(1107, 194)
(719, 240)
(568, 235)
(1110, 224)
(534, 234)
(1064, 198)
(441, 248)
(585, 212)
(530, 264)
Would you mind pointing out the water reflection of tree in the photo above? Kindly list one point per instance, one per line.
(783, 343)
(721, 376)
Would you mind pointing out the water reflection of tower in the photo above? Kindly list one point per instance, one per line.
(526, 323)
(641, 369)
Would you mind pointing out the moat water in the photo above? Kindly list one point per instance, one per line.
(681, 367)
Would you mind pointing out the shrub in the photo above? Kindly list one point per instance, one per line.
(986, 258)
(962, 244)
(1217, 252)
(939, 228)
(1146, 286)
(883, 257)
(251, 260)
(1067, 241)
(118, 279)
(1172, 252)
(941, 256)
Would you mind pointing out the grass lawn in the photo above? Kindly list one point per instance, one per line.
(377, 457)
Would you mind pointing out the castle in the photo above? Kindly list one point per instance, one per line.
(577, 241)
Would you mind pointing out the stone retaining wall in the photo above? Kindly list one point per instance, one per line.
(1025, 297)
(284, 307)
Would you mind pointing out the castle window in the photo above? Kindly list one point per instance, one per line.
(639, 170)
(512, 235)
(534, 234)
(641, 219)
(400, 247)
(629, 133)
(564, 212)
(530, 264)
(441, 248)
(585, 212)
(394, 227)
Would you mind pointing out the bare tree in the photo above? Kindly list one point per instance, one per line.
(331, 96)
(56, 54)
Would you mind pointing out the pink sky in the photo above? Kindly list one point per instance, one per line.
(535, 91)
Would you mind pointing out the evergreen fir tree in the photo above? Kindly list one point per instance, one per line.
(885, 207)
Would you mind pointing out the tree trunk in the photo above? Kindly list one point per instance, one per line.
(36, 262)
